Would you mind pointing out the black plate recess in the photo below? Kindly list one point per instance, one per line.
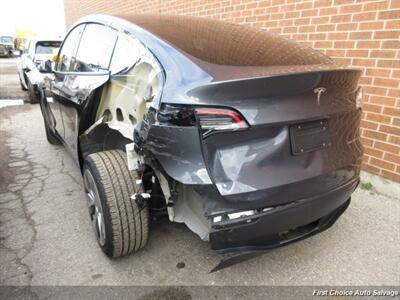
(309, 136)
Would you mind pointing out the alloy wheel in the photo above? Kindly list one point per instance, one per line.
(94, 206)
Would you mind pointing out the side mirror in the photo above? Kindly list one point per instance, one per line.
(45, 67)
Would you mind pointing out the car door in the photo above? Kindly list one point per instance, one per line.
(65, 56)
(89, 70)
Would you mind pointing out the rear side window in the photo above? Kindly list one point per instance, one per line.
(68, 49)
(128, 51)
(95, 49)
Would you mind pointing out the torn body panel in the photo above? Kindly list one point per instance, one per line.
(181, 159)
(276, 222)
(232, 255)
(189, 209)
(131, 91)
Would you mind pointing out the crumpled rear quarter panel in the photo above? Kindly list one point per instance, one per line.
(257, 168)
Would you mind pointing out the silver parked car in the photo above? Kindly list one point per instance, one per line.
(35, 53)
(6, 46)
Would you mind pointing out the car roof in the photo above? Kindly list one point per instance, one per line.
(225, 43)
(194, 51)
(216, 42)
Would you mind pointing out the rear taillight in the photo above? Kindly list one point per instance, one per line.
(217, 119)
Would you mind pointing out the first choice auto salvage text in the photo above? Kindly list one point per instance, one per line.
(357, 292)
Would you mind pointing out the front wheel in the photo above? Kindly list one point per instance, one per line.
(120, 225)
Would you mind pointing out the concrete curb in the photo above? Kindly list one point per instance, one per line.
(381, 185)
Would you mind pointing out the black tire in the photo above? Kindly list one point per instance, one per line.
(126, 225)
(33, 97)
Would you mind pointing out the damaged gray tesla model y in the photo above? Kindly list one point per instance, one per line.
(250, 139)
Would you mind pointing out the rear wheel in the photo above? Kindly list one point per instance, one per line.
(120, 225)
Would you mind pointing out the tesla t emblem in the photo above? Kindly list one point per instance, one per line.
(319, 92)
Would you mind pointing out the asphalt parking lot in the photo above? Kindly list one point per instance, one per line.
(46, 238)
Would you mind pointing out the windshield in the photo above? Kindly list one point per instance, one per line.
(6, 39)
(47, 47)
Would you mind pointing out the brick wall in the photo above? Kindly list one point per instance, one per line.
(360, 33)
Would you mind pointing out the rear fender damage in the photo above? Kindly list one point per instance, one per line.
(176, 163)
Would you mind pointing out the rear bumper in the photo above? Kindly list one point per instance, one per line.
(283, 224)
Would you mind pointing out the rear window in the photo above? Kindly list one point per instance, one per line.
(47, 47)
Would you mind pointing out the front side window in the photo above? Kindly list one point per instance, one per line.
(95, 49)
(68, 49)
